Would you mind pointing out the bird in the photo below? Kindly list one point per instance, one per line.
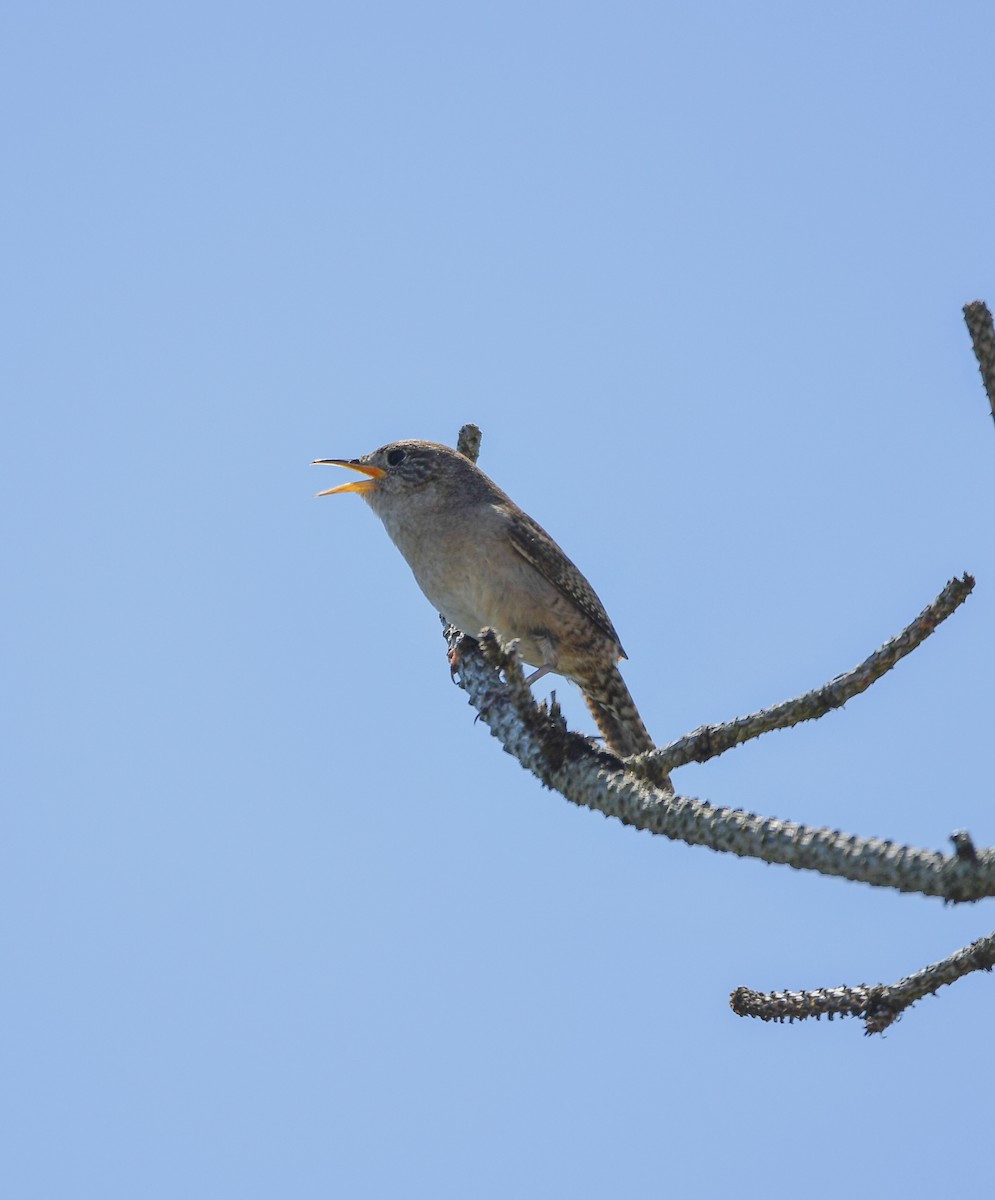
(484, 562)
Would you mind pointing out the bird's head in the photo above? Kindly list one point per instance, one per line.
(404, 469)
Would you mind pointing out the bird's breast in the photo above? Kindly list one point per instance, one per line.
(465, 564)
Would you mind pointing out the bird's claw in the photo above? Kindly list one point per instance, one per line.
(455, 655)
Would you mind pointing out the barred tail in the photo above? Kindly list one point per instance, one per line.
(617, 717)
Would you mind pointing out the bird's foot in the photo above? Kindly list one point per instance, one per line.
(544, 670)
(455, 655)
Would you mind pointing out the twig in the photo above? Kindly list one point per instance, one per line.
(468, 442)
(879, 1006)
(711, 740)
(979, 324)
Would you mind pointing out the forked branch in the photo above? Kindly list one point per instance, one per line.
(588, 775)
(879, 1006)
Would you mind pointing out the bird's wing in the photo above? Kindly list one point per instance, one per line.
(535, 545)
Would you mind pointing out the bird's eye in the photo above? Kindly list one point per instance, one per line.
(394, 457)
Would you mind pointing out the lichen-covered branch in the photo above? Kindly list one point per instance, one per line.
(590, 776)
(979, 325)
(712, 740)
(879, 1006)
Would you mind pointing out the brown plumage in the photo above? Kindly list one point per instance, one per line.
(483, 562)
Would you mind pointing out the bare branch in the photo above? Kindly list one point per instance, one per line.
(879, 1006)
(590, 776)
(712, 740)
(979, 324)
(630, 789)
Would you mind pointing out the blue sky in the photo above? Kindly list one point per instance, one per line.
(277, 917)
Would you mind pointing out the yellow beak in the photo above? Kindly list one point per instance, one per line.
(361, 485)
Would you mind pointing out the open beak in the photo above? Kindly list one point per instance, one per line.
(361, 485)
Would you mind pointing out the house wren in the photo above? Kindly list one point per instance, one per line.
(483, 562)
